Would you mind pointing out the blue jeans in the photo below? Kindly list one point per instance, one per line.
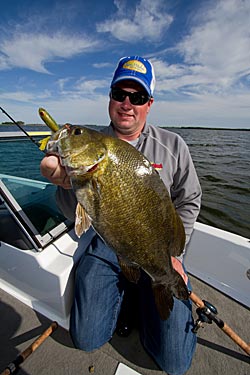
(98, 295)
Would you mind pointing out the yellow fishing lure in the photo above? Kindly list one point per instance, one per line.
(50, 122)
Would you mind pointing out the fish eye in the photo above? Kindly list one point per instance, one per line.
(78, 131)
(101, 155)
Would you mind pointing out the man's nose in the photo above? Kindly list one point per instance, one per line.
(126, 101)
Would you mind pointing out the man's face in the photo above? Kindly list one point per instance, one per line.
(126, 117)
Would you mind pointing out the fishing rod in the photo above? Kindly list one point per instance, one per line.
(207, 313)
(21, 128)
(47, 119)
(14, 366)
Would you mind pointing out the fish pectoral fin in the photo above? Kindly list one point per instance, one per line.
(82, 220)
(163, 299)
(131, 271)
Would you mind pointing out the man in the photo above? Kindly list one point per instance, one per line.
(99, 286)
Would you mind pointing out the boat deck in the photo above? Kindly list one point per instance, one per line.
(215, 354)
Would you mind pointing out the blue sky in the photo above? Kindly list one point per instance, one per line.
(61, 55)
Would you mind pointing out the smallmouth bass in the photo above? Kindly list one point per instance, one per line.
(122, 196)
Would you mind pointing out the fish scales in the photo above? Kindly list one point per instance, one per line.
(125, 212)
(127, 204)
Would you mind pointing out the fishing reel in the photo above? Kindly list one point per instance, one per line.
(206, 314)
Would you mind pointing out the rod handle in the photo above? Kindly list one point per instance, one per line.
(11, 368)
(222, 325)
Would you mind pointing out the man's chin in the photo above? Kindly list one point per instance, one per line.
(124, 128)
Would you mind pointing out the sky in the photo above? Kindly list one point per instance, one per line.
(61, 55)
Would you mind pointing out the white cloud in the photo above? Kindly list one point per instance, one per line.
(221, 42)
(175, 77)
(148, 20)
(25, 96)
(34, 51)
(102, 65)
(216, 52)
(90, 86)
(77, 108)
(62, 82)
(4, 63)
(75, 91)
(75, 111)
(207, 86)
(207, 110)
(80, 111)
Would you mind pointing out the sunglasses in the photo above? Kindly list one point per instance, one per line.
(136, 98)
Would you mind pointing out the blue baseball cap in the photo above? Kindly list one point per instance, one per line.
(137, 69)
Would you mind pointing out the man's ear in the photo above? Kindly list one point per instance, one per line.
(150, 102)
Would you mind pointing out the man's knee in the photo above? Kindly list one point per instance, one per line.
(172, 342)
(179, 362)
(86, 342)
(96, 304)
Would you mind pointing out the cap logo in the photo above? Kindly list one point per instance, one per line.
(135, 65)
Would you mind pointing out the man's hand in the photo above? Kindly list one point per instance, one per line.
(52, 169)
(177, 265)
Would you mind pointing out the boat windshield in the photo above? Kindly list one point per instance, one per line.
(30, 205)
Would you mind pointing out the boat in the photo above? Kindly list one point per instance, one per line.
(19, 134)
(38, 255)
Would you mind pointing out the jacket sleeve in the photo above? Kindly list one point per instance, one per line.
(186, 190)
(66, 202)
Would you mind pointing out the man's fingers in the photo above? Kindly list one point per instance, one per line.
(51, 169)
(177, 265)
(49, 164)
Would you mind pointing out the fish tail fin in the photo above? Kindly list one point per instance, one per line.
(164, 291)
(163, 299)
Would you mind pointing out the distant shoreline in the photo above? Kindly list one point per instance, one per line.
(160, 126)
(205, 128)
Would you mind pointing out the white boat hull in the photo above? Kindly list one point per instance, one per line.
(222, 260)
(45, 280)
(42, 280)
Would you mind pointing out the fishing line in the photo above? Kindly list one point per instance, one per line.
(20, 127)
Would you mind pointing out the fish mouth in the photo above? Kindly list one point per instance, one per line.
(52, 146)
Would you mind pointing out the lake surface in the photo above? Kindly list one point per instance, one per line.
(221, 157)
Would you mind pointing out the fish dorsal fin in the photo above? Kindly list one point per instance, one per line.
(131, 271)
(82, 221)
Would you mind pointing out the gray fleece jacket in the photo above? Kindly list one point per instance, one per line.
(170, 155)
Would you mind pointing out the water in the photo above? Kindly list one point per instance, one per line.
(221, 157)
(222, 161)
